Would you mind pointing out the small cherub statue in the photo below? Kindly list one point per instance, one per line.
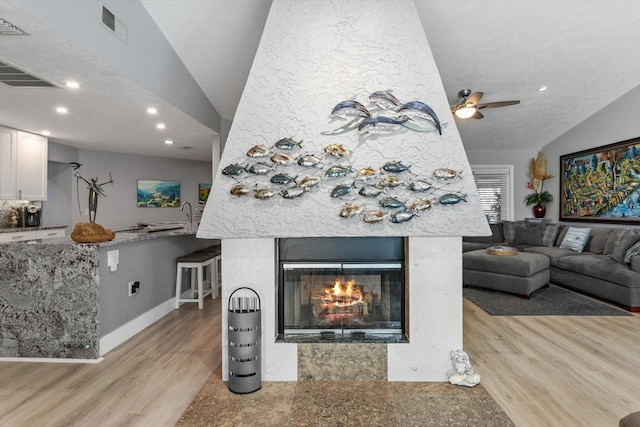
(462, 372)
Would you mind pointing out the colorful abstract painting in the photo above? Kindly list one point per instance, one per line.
(158, 194)
(602, 184)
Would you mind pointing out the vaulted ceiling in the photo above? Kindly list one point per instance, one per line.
(584, 51)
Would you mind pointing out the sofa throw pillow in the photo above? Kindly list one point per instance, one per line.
(631, 252)
(549, 234)
(575, 239)
(615, 237)
(529, 236)
(598, 240)
(622, 247)
(509, 230)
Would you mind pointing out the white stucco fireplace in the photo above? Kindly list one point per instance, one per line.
(434, 328)
(313, 57)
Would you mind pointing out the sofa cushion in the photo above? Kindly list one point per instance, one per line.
(598, 239)
(631, 252)
(554, 253)
(615, 237)
(522, 265)
(601, 267)
(622, 247)
(509, 230)
(550, 234)
(575, 239)
(529, 236)
(473, 246)
(635, 263)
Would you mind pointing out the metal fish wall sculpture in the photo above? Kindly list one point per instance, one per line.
(387, 192)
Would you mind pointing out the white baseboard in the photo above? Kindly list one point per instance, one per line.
(133, 327)
(49, 360)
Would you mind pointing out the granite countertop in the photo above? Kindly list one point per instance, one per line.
(22, 229)
(122, 237)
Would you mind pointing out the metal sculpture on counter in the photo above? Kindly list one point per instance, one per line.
(95, 190)
(90, 232)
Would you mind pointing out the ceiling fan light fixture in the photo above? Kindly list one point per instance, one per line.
(466, 111)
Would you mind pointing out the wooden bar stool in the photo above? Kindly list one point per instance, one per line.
(198, 262)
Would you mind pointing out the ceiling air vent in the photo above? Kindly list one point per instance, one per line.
(13, 76)
(8, 29)
(115, 25)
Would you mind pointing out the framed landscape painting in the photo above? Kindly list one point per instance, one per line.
(158, 194)
(203, 192)
(602, 184)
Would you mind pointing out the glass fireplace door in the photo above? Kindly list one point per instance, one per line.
(342, 297)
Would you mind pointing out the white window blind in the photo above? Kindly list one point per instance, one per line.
(495, 190)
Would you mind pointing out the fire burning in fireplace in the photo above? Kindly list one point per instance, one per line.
(344, 298)
(341, 294)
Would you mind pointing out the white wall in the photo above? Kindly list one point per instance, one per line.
(520, 160)
(618, 121)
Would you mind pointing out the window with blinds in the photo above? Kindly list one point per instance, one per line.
(495, 189)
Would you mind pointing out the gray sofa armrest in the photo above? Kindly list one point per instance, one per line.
(635, 263)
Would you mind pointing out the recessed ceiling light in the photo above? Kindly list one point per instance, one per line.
(160, 126)
(542, 88)
(152, 110)
(168, 141)
(62, 110)
(46, 133)
(71, 84)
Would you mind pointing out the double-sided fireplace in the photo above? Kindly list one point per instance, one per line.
(345, 289)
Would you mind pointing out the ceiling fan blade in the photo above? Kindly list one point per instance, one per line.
(474, 98)
(498, 104)
(478, 115)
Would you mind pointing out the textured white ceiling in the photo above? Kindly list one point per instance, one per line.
(584, 50)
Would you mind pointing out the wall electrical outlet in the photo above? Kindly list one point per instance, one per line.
(134, 288)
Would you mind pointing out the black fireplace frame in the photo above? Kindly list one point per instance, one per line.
(354, 250)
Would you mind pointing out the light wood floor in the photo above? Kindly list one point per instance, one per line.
(542, 371)
(150, 380)
(557, 370)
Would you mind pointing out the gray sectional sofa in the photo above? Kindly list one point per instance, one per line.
(599, 270)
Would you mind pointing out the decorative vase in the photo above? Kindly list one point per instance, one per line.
(539, 211)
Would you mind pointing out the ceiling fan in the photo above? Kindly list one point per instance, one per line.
(469, 107)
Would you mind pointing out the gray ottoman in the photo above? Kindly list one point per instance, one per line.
(519, 274)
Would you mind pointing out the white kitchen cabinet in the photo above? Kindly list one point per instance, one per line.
(23, 165)
(50, 233)
(25, 234)
(7, 163)
(18, 236)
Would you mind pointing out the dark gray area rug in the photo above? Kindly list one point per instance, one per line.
(551, 301)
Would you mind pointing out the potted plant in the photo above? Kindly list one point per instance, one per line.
(537, 175)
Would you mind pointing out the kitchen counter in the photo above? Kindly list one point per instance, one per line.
(62, 299)
(123, 237)
(19, 229)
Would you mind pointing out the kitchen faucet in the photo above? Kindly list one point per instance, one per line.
(189, 215)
